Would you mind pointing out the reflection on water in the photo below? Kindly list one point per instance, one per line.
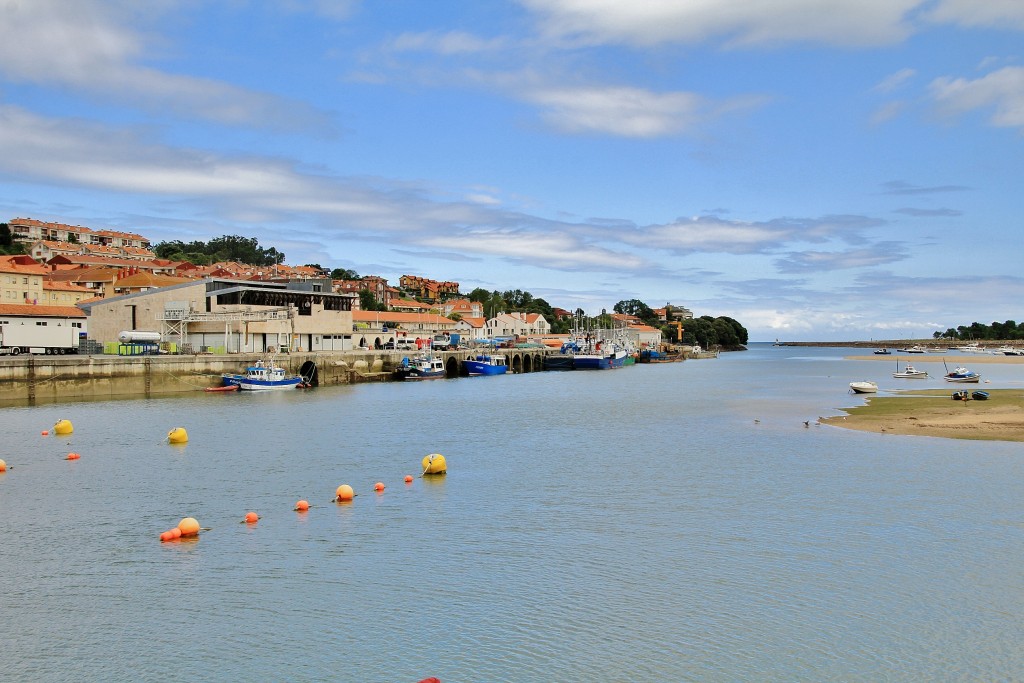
(654, 523)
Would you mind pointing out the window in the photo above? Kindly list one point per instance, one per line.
(40, 323)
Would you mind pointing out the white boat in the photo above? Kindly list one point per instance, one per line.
(264, 376)
(909, 372)
(864, 387)
(962, 374)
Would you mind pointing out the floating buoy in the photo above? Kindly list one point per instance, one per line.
(189, 526)
(302, 506)
(177, 435)
(251, 518)
(434, 464)
(72, 456)
(170, 535)
(378, 487)
(408, 479)
(45, 432)
(63, 427)
(344, 493)
(3, 466)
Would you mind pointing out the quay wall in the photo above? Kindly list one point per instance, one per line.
(31, 379)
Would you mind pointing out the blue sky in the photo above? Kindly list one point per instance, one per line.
(815, 169)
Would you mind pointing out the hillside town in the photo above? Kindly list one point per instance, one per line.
(80, 290)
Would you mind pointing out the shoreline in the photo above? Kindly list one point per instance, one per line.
(932, 412)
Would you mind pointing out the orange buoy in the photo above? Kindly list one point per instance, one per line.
(251, 518)
(344, 494)
(378, 487)
(45, 432)
(175, 533)
(72, 456)
(166, 536)
(408, 479)
(302, 506)
(188, 526)
(3, 466)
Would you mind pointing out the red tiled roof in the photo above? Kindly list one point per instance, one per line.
(52, 311)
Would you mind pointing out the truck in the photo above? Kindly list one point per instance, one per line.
(445, 342)
(39, 335)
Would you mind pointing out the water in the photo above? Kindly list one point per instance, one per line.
(669, 522)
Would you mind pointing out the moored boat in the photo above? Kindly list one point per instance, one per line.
(979, 395)
(909, 372)
(264, 376)
(963, 375)
(486, 364)
(865, 387)
(421, 367)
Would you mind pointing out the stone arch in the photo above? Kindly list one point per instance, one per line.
(451, 366)
(516, 362)
(527, 363)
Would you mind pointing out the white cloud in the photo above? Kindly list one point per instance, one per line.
(1003, 90)
(993, 13)
(896, 80)
(653, 22)
(82, 45)
(449, 43)
(630, 112)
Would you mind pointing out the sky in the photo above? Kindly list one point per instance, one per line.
(818, 170)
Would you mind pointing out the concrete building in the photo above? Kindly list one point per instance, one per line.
(230, 316)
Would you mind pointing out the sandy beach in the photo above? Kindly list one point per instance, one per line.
(934, 413)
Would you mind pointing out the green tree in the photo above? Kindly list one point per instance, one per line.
(480, 295)
(6, 239)
(344, 274)
(368, 302)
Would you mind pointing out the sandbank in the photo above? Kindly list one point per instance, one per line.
(933, 412)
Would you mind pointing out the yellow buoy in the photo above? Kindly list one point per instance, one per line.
(177, 435)
(63, 427)
(188, 526)
(344, 493)
(434, 464)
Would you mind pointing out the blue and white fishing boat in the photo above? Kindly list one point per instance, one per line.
(486, 364)
(424, 366)
(962, 374)
(264, 376)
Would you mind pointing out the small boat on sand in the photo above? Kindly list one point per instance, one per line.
(864, 387)
(979, 395)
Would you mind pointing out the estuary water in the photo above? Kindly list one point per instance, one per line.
(674, 522)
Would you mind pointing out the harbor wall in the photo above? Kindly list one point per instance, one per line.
(45, 379)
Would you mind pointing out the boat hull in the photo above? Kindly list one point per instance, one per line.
(248, 384)
(475, 367)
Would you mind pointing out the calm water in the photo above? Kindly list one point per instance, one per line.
(656, 523)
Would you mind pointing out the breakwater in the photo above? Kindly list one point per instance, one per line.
(31, 379)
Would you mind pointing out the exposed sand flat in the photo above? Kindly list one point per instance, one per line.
(934, 413)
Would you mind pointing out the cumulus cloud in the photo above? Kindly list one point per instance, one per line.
(654, 22)
(630, 112)
(85, 46)
(994, 13)
(1001, 90)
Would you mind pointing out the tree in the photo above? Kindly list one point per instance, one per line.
(480, 295)
(368, 302)
(6, 239)
(344, 274)
(639, 309)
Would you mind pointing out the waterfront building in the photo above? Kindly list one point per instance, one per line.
(230, 316)
(21, 280)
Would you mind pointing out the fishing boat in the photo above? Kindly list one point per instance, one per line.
(979, 395)
(864, 387)
(264, 376)
(424, 366)
(882, 351)
(962, 374)
(909, 372)
(486, 364)
(962, 395)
